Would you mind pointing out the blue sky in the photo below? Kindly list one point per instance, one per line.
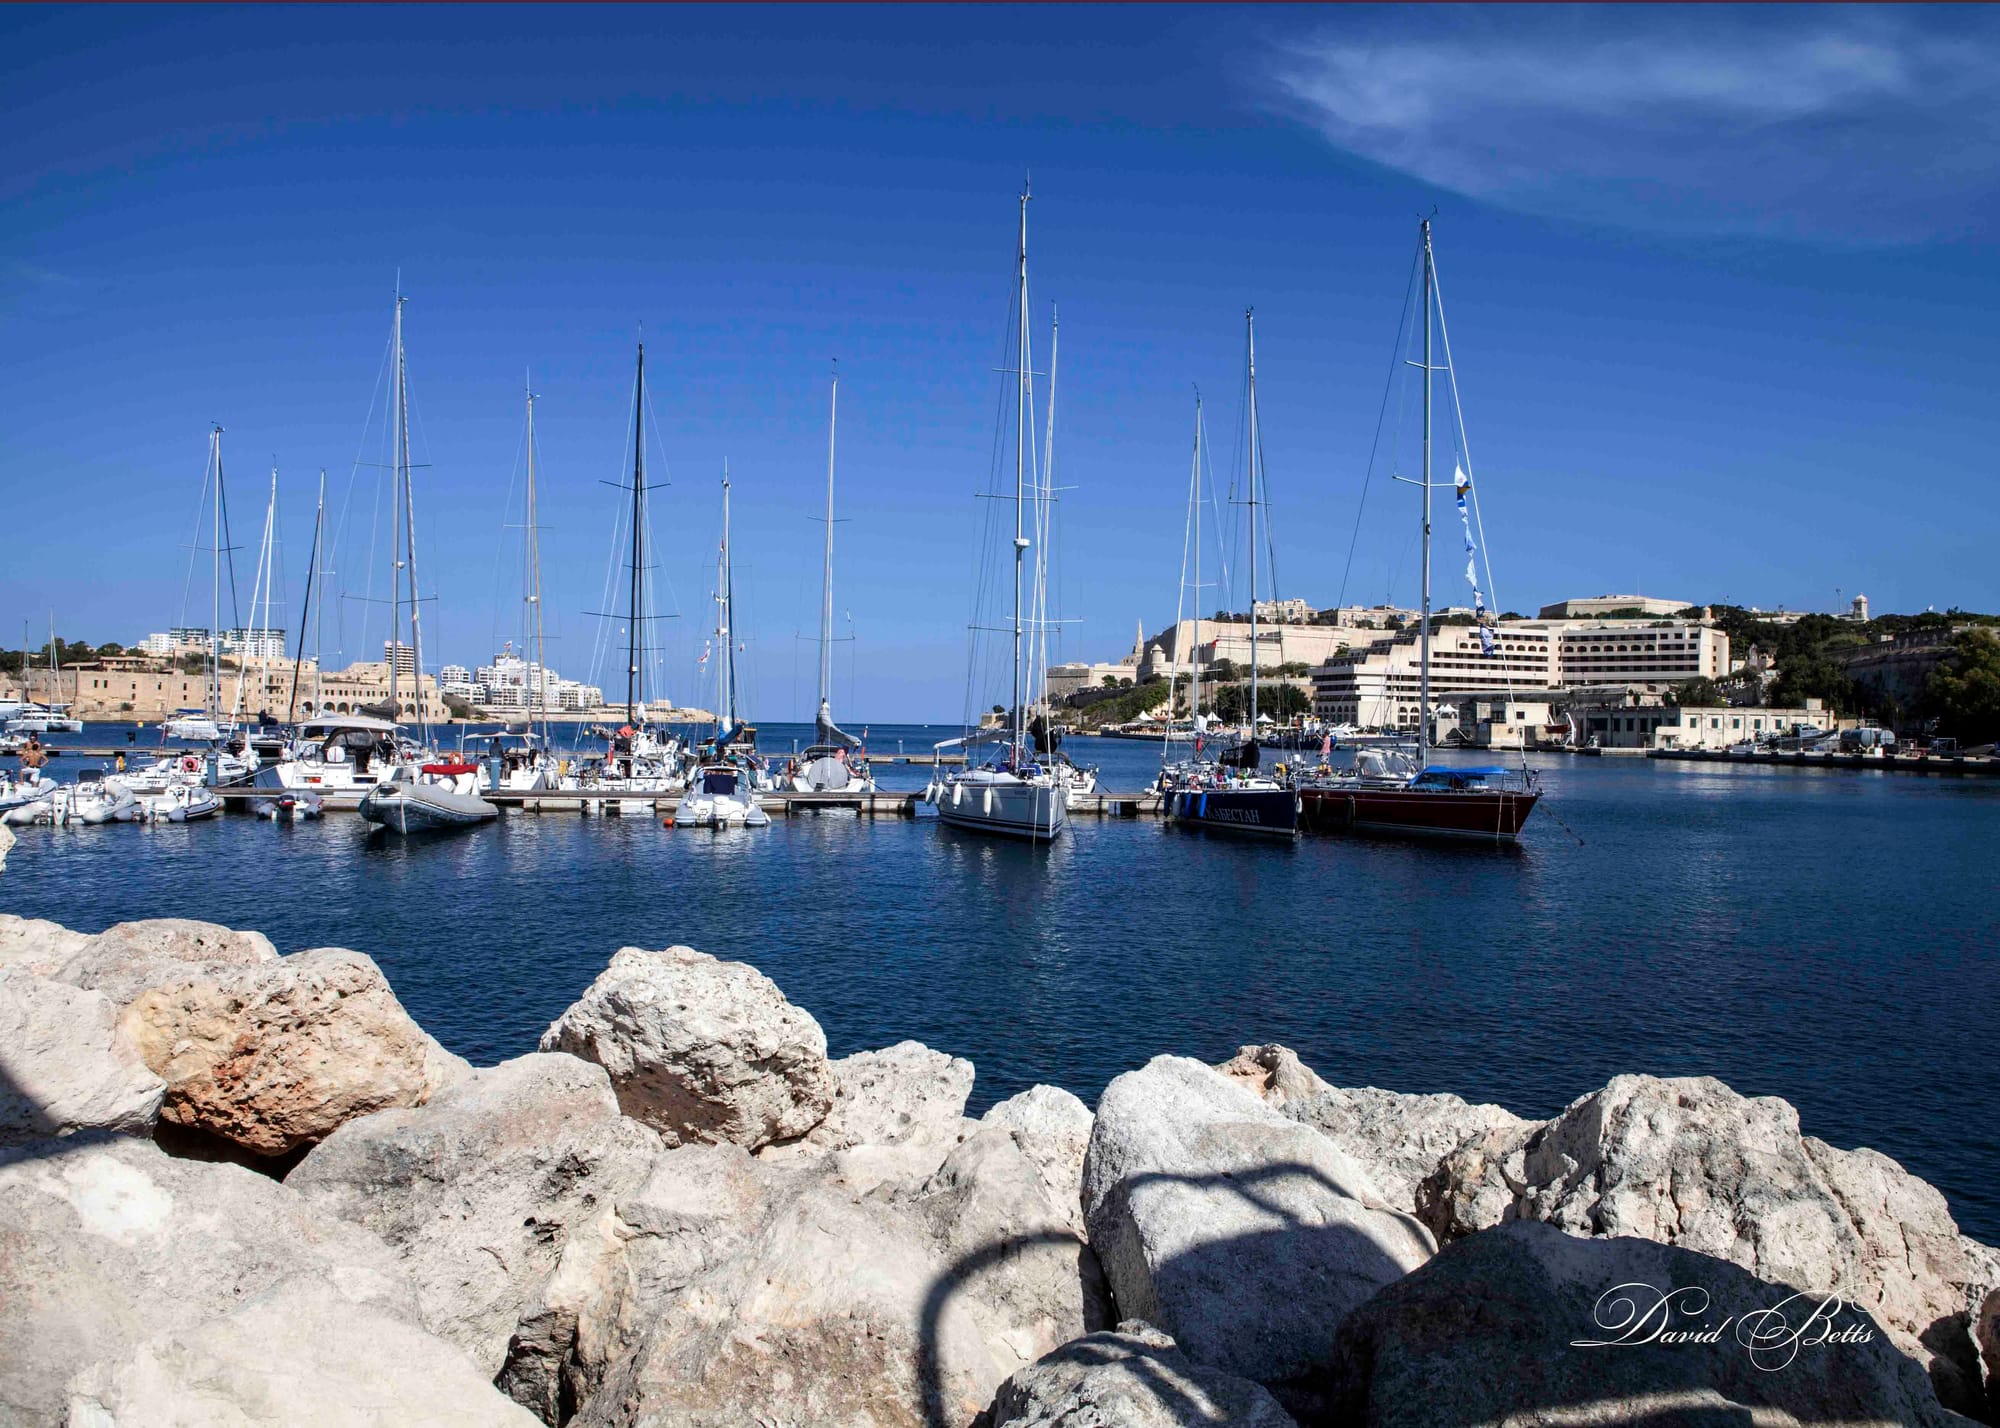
(1720, 284)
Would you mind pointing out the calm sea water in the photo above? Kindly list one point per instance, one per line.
(1826, 936)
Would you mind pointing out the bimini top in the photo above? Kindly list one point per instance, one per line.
(337, 723)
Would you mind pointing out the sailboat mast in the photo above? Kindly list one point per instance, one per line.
(1424, 677)
(826, 593)
(1020, 456)
(538, 675)
(638, 541)
(1250, 333)
(728, 615)
(215, 610)
(410, 534)
(1194, 654)
(396, 506)
(305, 615)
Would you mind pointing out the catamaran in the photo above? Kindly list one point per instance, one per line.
(723, 791)
(1396, 793)
(27, 717)
(1016, 792)
(1232, 792)
(832, 764)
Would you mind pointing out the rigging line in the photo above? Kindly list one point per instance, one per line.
(1381, 415)
(194, 537)
(332, 552)
(600, 647)
(503, 546)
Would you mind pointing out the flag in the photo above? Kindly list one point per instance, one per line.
(1462, 483)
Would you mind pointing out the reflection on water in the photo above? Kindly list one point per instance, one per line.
(1825, 936)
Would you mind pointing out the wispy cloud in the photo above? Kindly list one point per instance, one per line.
(1863, 126)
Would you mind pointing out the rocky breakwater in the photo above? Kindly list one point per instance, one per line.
(680, 1212)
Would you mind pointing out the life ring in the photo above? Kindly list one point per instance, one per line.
(191, 764)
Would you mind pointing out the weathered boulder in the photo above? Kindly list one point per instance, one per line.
(731, 1289)
(125, 960)
(700, 1049)
(1399, 1137)
(1244, 1235)
(1689, 1162)
(1986, 1335)
(1133, 1377)
(6, 844)
(296, 1354)
(65, 1066)
(1052, 1128)
(896, 1114)
(34, 944)
(107, 1241)
(479, 1190)
(277, 1055)
(1499, 1328)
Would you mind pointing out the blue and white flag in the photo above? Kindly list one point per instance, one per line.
(1462, 485)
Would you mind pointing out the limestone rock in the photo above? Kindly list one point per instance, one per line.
(1689, 1162)
(278, 1055)
(479, 1190)
(700, 1049)
(1133, 1377)
(106, 1242)
(6, 844)
(36, 945)
(1399, 1137)
(896, 1113)
(1244, 1235)
(1488, 1332)
(65, 1066)
(296, 1354)
(1986, 1334)
(127, 959)
(1052, 1128)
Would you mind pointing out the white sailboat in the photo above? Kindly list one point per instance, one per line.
(525, 760)
(206, 725)
(1014, 793)
(723, 790)
(414, 794)
(832, 764)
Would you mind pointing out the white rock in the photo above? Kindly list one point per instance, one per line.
(34, 944)
(1399, 1137)
(296, 1355)
(65, 1066)
(278, 1055)
(125, 960)
(1244, 1235)
(6, 844)
(896, 1114)
(700, 1049)
(1052, 1128)
(1133, 1377)
(479, 1190)
(108, 1242)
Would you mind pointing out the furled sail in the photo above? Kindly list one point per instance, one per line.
(829, 734)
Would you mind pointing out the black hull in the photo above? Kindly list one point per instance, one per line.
(1272, 811)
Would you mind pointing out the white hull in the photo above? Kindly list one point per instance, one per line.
(830, 776)
(182, 804)
(703, 810)
(1005, 806)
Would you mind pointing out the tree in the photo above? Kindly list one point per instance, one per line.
(1110, 681)
(1222, 669)
(1700, 692)
(1963, 692)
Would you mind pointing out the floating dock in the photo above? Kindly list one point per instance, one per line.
(778, 805)
(1955, 764)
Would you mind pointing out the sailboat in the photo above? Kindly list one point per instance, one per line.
(526, 761)
(206, 724)
(642, 763)
(723, 791)
(1013, 793)
(830, 765)
(1232, 792)
(1395, 793)
(50, 718)
(414, 794)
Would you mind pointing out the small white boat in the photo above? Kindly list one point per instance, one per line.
(27, 798)
(289, 806)
(94, 799)
(719, 797)
(181, 803)
(428, 798)
(196, 727)
(34, 719)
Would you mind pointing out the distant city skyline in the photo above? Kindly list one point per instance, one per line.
(1719, 307)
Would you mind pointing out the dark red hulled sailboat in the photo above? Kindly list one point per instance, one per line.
(1400, 795)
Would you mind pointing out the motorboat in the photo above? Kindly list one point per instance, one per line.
(287, 807)
(719, 796)
(94, 799)
(427, 798)
(36, 719)
(27, 797)
(194, 726)
(180, 803)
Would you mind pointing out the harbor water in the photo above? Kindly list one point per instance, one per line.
(1827, 936)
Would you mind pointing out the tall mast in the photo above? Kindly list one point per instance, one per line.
(410, 531)
(1424, 678)
(728, 601)
(826, 593)
(1194, 655)
(638, 541)
(396, 504)
(215, 610)
(1020, 456)
(1250, 331)
(312, 571)
(538, 674)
